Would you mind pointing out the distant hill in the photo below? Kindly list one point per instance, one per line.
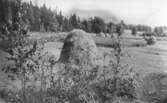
(107, 16)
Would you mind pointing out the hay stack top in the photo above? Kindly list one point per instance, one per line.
(79, 48)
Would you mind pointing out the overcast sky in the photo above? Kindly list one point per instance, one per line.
(149, 12)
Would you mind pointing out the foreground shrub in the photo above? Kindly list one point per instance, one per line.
(153, 87)
(73, 84)
(123, 86)
(150, 38)
(117, 80)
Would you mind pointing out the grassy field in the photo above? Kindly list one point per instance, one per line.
(149, 58)
(144, 58)
(141, 57)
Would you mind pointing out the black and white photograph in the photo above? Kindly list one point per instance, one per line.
(83, 51)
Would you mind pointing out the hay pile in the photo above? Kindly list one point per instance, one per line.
(108, 35)
(79, 48)
(102, 34)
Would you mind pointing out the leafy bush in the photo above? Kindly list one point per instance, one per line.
(153, 87)
(117, 80)
(151, 40)
(98, 25)
(124, 85)
(73, 84)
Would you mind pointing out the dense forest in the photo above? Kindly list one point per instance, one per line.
(44, 19)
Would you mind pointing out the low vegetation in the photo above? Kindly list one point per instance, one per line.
(150, 38)
(71, 82)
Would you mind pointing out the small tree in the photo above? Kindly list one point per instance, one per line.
(73, 21)
(134, 31)
(86, 25)
(119, 29)
(119, 80)
(98, 25)
(23, 52)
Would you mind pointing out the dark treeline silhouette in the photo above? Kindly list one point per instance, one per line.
(44, 19)
(160, 31)
(139, 27)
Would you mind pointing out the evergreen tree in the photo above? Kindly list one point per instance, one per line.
(98, 25)
(120, 29)
(86, 25)
(134, 31)
(30, 14)
(60, 18)
(67, 25)
(37, 15)
(73, 21)
(111, 27)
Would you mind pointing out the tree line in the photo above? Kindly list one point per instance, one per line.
(42, 18)
(156, 31)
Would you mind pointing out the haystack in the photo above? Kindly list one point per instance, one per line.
(79, 48)
(102, 34)
(108, 35)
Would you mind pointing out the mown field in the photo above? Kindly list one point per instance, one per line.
(141, 57)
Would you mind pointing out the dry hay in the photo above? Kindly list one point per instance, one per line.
(102, 34)
(79, 48)
(108, 35)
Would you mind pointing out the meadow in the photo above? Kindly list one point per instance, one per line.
(145, 58)
(142, 58)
